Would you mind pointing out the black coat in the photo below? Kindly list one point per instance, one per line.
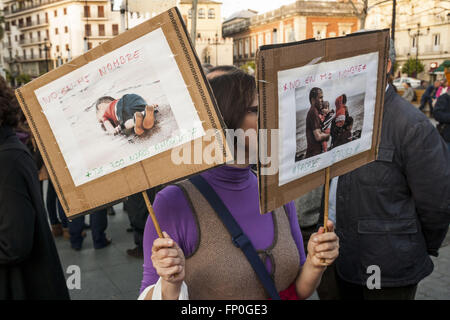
(442, 114)
(395, 211)
(29, 264)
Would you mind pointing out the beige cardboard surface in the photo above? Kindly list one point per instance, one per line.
(156, 170)
(270, 60)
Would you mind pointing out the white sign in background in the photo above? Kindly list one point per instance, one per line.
(336, 78)
(145, 66)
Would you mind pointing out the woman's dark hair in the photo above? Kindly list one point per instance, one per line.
(234, 92)
(344, 98)
(9, 107)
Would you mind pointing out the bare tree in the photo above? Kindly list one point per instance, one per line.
(362, 14)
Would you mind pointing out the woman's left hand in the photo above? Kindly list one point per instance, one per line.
(323, 248)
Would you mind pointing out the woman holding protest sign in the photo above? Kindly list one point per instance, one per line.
(199, 256)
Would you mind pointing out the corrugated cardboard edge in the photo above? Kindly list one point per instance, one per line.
(303, 185)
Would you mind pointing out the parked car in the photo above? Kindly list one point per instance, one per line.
(398, 83)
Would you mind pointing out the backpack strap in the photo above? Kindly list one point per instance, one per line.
(238, 237)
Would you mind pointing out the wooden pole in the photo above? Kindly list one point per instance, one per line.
(152, 214)
(327, 197)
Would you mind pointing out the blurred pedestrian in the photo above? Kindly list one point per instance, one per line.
(408, 95)
(442, 115)
(427, 97)
(442, 88)
(29, 263)
(138, 213)
(98, 221)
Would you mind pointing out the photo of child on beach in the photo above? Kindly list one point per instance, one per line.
(122, 108)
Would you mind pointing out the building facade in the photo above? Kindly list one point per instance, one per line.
(295, 22)
(42, 34)
(422, 30)
(210, 45)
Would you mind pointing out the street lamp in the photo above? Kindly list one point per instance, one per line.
(416, 36)
(47, 46)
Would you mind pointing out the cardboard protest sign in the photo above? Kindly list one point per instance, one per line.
(107, 121)
(323, 102)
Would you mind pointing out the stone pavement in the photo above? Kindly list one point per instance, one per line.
(110, 273)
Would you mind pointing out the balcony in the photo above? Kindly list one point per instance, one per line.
(93, 18)
(31, 42)
(33, 25)
(27, 5)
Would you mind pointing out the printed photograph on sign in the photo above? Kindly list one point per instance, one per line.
(326, 114)
(119, 109)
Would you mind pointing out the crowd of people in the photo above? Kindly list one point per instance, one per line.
(392, 213)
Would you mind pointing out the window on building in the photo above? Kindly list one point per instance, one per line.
(32, 53)
(57, 48)
(47, 33)
(39, 35)
(241, 48)
(211, 14)
(190, 14)
(40, 53)
(246, 47)
(87, 30)
(65, 11)
(414, 42)
(67, 47)
(55, 13)
(253, 46)
(20, 23)
(201, 13)
(30, 35)
(56, 31)
(101, 11)
(436, 39)
(267, 40)
(15, 38)
(274, 36)
(235, 49)
(66, 29)
(260, 39)
(24, 54)
(89, 45)
(13, 23)
(46, 17)
(115, 29)
(101, 30)
(87, 11)
(38, 19)
(28, 21)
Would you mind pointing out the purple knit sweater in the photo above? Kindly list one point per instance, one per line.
(238, 188)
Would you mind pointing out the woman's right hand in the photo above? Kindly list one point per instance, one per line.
(168, 260)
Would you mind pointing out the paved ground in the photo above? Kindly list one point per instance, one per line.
(110, 274)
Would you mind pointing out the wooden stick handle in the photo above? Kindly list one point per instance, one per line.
(327, 197)
(152, 214)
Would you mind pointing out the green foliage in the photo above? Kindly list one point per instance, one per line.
(249, 67)
(22, 79)
(412, 67)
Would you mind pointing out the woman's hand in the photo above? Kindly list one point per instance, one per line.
(168, 260)
(323, 248)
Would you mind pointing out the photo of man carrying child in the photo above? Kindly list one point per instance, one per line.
(326, 127)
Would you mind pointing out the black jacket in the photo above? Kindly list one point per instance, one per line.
(395, 211)
(442, 114)
(29, 264)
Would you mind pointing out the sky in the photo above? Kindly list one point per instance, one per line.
(231, 6)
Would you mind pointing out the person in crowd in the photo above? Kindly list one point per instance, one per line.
(442, 88)
(198, 251)
(207, 67)
(137, 213)
(219, 70)
(393, 213)
(442, 115)
(326, 117)
(57, 217)
(29, 263)
(98, 222)
(408, 95)
(314, 135)
(427, 97)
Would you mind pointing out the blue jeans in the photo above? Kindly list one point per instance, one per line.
(54, 208)
(98, 221)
